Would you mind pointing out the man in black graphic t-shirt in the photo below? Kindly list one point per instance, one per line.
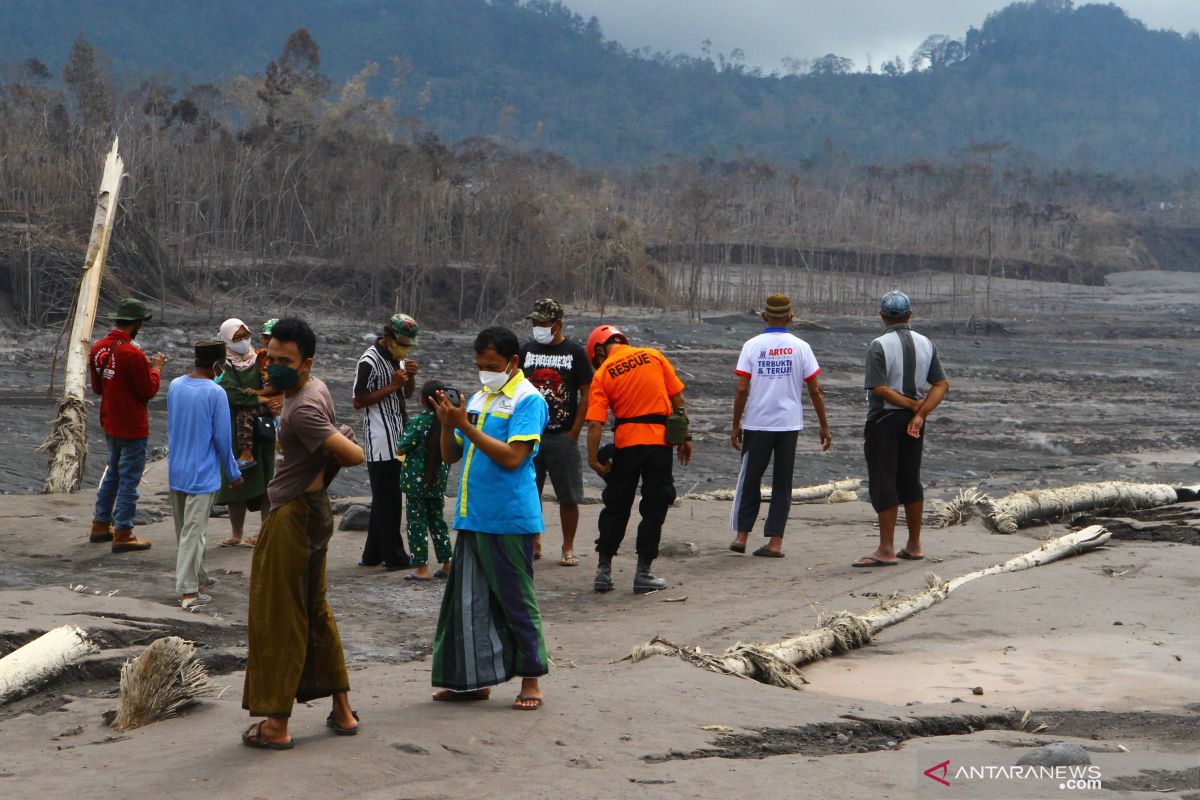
(559, 368)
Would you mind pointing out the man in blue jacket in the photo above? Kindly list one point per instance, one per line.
(200, 445)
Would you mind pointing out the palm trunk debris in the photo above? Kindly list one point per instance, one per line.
(779, 664)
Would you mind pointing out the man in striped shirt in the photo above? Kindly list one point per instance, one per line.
(386, 375)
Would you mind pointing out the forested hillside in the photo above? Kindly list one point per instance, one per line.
(1059, 85)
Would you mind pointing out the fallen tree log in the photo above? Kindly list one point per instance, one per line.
(1022, 509)
(835, 492)
(779, 664)
(29, 666)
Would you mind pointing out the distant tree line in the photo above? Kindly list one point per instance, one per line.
(1073, 87)
(287, 189)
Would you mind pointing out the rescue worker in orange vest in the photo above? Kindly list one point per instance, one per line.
(645, 396)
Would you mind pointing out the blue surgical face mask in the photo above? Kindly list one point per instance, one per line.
(282, 377)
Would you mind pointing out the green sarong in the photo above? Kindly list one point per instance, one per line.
(294, 651)
(490, 628)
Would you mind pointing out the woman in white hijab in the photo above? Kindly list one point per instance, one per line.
(249, 400)
(241, 357)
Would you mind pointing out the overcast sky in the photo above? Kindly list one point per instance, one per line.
(770, 30)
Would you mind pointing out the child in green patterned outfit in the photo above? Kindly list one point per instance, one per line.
(423, 480)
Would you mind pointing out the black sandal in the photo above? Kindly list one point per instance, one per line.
(737, 547)
(338, 728)
(252, 737)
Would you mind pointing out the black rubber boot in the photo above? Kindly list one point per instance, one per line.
(604, 581)
(644, 580)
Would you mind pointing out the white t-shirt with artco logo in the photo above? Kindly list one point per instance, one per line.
(778, 364)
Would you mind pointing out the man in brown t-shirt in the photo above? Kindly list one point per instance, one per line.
(294, 651)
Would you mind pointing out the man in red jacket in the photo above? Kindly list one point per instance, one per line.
(126, 381)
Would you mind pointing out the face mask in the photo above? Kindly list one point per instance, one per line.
(217, 369)
(241, 348)
(399, 351)
(493, 381)
(543, 335)
(281, 377)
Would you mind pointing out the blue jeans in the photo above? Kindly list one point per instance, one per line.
(119, 488)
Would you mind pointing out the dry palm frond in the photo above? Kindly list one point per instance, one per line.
(966, 505)
(160, 683)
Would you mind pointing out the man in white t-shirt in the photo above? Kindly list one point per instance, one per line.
(772, 371)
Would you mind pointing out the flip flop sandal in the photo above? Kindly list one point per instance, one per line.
(568, 561)
(872, 562)
(245, 465)
(412, 576)
(208, 584)
(766, 552)
(339, 729)
(451, 696)
(255, 739)
(230, 542)
(441, 574)
(537, 703)
(908, 556)
(737, 547)
(250, 541)
(195, 602)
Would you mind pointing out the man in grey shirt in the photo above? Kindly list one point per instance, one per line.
(904, 384)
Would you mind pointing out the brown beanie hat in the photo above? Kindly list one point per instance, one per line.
(779, 305)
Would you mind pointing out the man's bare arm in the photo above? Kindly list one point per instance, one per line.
(740, 395)
(364, 399)
(345, 452)
(595, 431)
(936, 392)
(580, 411)
(890, 395)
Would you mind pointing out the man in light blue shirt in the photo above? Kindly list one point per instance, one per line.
(490, 628)
(200, 446)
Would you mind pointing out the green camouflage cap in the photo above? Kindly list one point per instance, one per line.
(131, 310)
(546, 310)
(403, 325)
(269, 326)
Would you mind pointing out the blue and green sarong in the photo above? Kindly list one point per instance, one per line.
(489, 628)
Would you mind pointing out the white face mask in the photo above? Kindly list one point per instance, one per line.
(493, 381)
(543, 335)
(241, 348)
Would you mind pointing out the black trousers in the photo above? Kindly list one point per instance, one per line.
(757, 449)
(893, 460)
(649, 464)
(385, 538)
